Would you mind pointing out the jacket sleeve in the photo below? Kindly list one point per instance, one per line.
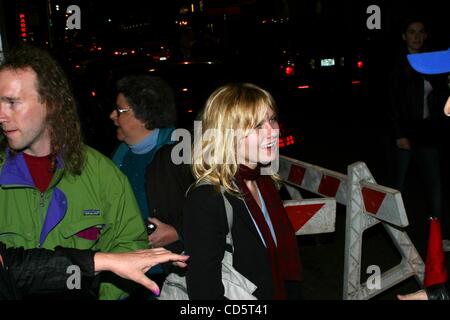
(395, 102)
(126, 232)
(41, 271)
(438, 292)
(166, 185)
(205, 229)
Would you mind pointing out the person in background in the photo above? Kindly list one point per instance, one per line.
(431, 63)
(33, 271)
(145, 117)
(264, 244)
(55, 190)
(414, 112)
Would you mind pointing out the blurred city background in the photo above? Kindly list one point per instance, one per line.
(327, 70)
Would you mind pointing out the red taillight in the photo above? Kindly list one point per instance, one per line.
(287, 141)
(289, 71)
(303, 87)
(360, 64)
(93, 93)
(355, 82)
(290, 140)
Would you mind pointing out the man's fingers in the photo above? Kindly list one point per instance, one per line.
(419, 295)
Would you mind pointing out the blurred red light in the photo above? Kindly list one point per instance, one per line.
(289, 71)
(303, 87)
(93, 93)
(360, 64)
(290, 140)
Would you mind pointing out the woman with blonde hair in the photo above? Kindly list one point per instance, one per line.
(237, 153)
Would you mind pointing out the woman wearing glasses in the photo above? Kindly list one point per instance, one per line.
(145, 116)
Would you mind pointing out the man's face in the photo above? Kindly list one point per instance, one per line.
(415, 36)
(22, 115)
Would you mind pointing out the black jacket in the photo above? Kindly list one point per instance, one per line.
(166, 185)
(438, 292)
(206, 227)
(406, 92)
(35, 272)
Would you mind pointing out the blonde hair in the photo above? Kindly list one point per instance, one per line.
(229, 115)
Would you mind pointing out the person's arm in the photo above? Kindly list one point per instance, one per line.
(134, 265)
(205, 229)
(164, 235)
(166, 186)
(42, 271)
(125, 232)
(396, 102)
(436, 292)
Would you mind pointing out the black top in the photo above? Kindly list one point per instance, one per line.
(166, 184)
(205, 230)
(406, 91)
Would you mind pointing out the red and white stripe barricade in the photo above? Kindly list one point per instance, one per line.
(367, 204)
(311, 216)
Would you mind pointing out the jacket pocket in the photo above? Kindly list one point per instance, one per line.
(18, 236)
(88, 229)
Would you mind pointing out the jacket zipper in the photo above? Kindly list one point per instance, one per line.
(41, 206)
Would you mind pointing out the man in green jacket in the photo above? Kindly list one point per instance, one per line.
(54, 190)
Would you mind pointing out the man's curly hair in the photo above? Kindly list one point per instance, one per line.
(151, 99)
(55, 93)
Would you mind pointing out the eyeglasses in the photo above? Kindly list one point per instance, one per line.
(121, 110)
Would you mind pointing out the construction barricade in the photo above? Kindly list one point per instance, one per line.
(367, 204)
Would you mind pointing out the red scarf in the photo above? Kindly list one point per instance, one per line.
(284, 256)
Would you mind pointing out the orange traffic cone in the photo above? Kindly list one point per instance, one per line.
(435, 269)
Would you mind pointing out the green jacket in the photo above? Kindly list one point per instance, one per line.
(96, 210)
